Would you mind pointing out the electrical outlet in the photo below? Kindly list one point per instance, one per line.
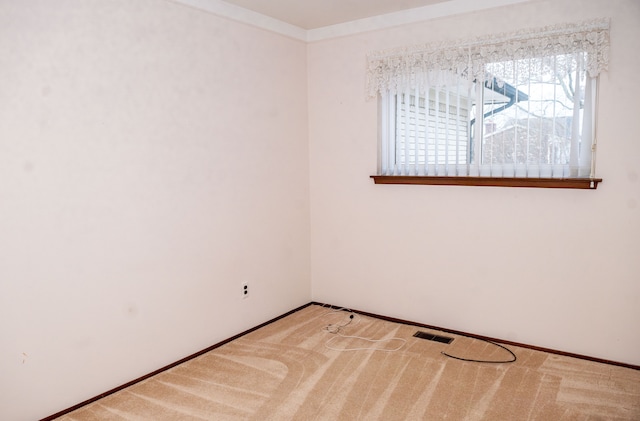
(245, 290)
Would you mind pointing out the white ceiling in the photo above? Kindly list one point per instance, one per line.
(312, 14)
(316, 20)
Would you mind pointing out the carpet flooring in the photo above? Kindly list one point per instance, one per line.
(297, 369)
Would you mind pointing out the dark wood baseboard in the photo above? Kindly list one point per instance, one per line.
(487, 338)
(377, 316)
(165, 368)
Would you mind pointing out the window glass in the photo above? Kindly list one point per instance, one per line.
(526, 118)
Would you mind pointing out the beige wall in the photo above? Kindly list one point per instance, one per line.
(152, 157)
(553, 268)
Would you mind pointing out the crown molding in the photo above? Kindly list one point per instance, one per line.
(389, 20)
(404, 17)
(240, 14)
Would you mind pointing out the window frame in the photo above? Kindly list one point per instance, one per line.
(401, 70)
(558, 183)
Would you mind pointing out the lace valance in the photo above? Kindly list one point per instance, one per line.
(394, 69)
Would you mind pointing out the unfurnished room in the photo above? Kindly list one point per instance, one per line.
(319, 210)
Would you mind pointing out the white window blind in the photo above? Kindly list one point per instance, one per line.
(514, 105)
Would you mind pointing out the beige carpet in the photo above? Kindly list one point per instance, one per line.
(287, 371)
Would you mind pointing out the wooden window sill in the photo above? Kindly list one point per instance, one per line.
(557, 183)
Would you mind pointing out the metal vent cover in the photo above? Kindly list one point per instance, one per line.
(432, 337)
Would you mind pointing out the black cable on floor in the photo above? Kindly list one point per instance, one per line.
(486, 361)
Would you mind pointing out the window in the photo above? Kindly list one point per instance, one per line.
(515, 106)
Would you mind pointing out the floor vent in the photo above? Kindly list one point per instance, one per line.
(432, 337)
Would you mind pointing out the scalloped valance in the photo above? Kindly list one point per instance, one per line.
(391, 70)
